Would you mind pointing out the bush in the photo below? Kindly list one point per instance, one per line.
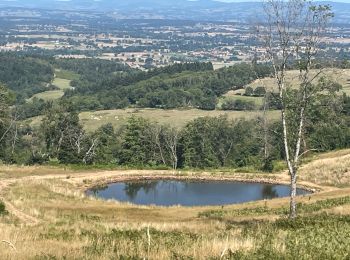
(238, 105)
(259, 91)
(2, 209)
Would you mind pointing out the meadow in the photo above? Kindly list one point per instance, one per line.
(62, 81)
(49, 217)
(175, 118)
(92, 120)
(341, 76)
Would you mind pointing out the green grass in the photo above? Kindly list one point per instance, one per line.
(258, 101)
(66, 74)
(49, 95)
(61, 83)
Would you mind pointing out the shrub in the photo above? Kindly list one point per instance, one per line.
(2, 209)
(238, 105)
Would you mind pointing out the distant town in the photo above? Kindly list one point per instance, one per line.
(141, 44)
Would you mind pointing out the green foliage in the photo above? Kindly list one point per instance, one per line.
(238, 105)
(2, 209)
(218, 142)
(179, 85)
(136, 142)
(108, 145)
(66, 74)
(24, 75)
(259, 91)
(65, 138)
(268, 165)
(249, 91)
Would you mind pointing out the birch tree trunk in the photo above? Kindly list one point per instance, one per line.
(291, 36)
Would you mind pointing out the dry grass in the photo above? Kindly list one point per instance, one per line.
(177, 118)
(342, 76)
(73, 226)
(49, 95)
(332, 169)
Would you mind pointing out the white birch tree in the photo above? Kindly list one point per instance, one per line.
(291, 36)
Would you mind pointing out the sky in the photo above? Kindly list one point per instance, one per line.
(232, 1)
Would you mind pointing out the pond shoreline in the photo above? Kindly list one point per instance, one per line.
(104, 181)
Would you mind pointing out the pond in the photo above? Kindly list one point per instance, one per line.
(190, 193)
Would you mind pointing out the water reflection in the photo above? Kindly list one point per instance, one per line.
(190, 193)
(132, 188)
(269, 192)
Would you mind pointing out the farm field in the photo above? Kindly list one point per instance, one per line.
(50, 217)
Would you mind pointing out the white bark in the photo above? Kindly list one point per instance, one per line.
(293, 33)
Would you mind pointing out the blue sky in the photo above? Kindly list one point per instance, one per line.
(343, 1)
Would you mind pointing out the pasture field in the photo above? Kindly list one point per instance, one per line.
(50, 217)
(232, 95)
(175, 118)
(341, 76)
(62, 84)
(49, 95)
(62, 80)
(66, 74)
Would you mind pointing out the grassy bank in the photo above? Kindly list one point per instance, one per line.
(51, 218)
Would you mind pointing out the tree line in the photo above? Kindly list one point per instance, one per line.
(208, 142)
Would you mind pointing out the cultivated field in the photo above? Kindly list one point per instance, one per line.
(51, 218)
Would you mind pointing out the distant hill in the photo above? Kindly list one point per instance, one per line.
(167, 9)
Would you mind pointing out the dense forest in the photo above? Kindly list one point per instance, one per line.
(103, 84)
(182, 85)
(25, 76)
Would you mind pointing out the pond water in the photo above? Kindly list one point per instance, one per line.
(190, 193)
